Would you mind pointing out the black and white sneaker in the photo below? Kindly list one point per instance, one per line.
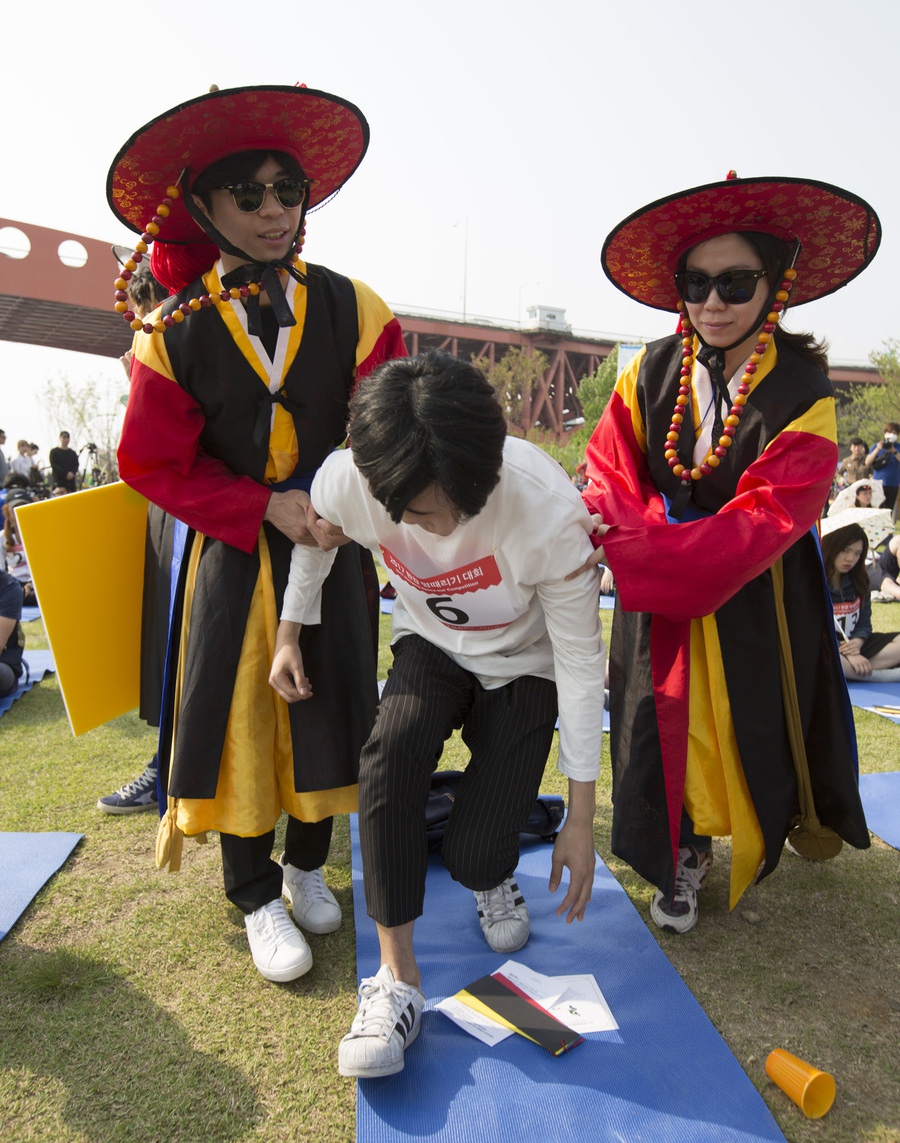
(134, 796)
(503, 915)
(679, 914)
(388, 1020)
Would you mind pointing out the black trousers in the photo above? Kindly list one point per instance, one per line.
(508, 731)
(252, 878)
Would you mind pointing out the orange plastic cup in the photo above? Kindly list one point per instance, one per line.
(812, 1091)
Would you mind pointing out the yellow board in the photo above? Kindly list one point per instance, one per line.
(86, 555)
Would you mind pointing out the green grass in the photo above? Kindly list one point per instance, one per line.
(130, 1009)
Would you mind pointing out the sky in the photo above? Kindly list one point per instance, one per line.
(508, 137)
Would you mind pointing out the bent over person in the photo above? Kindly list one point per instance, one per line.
(477, 531)
(239, 390)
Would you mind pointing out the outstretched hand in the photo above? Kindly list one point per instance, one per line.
(574, 849)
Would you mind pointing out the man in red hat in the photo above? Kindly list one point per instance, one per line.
(239, 391)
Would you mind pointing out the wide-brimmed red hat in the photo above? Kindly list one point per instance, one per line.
(326, 134)
(838, 232)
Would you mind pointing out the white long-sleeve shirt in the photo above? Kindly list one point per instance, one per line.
(492, 595)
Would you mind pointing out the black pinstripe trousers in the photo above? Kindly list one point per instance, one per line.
(508, 732)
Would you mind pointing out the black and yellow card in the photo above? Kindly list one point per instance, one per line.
(500, 999)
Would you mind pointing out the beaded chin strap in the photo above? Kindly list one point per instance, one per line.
(184, 310)
(718, 451)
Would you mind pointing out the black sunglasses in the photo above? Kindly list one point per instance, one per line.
(734, 287)
(249, 197)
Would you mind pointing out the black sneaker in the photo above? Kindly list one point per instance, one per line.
(679, 913)
(133, 797)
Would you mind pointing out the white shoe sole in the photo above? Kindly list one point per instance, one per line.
(375, 1072)
(284, 975)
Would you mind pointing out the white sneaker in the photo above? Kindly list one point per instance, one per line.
(312, 902)
(278, 947)
(388, 1020)
(504, 916)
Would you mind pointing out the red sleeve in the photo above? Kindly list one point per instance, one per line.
(389, 344)
(686, 570)
(159, 456)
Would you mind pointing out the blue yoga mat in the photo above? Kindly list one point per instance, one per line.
(666, 1075)
(880, 795)
(39, 663)
(870, 695)
(27, 862)
(30, 613)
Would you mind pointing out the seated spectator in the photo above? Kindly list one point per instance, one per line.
(884, 575)
(12, 641)
(16, 559)
(862, 650)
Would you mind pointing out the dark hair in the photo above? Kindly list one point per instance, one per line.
(775, 256)
(832, 546)
(144, 291)
(240, 168)
(858, 441)
(431, 419)
(891, 426)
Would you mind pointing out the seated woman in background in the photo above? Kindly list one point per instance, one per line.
(862, 650)
(884, 574)
(14, 549)
(12, 641)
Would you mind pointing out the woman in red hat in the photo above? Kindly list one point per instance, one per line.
(239, 390)
(710, 468)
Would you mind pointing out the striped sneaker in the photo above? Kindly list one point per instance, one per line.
(388, 1020)
(504, 916)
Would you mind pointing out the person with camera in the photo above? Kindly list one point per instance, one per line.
(884, 459)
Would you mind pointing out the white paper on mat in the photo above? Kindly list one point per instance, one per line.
(575, 1000)
(475, 1023)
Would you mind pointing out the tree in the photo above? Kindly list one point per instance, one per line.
(93, 416)
(514, 375)
(594, 392)
(870, 406)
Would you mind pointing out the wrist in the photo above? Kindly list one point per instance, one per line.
(288, 633)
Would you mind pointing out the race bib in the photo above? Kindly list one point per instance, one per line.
(469, 598)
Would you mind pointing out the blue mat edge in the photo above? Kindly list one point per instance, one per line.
(39, 663)
(56, 847)
(880, 794)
